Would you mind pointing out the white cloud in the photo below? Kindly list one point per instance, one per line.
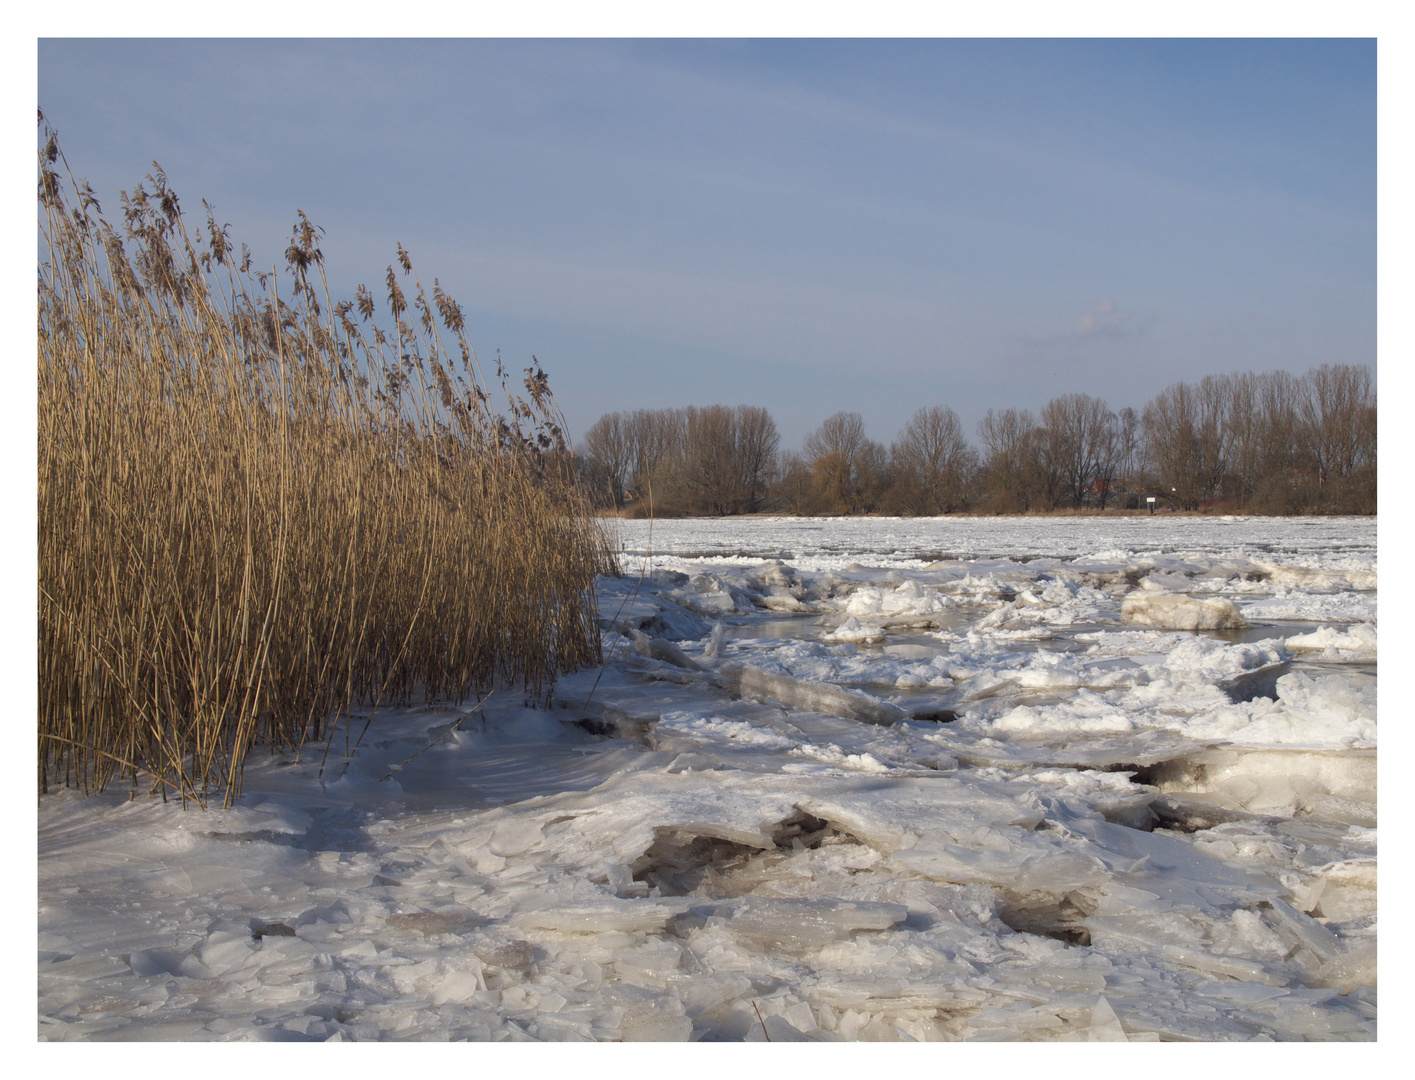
(1103, 318)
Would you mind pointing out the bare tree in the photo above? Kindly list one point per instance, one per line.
(658, 450)
(1125, 458)
(832, 484)
(1171, 421)
(1280, 439)
(793, 485)
(837, 451)
(1049, 454)
(1010, 455)
(610, 449)
(1334, 409)
(935, 460)
(757, 443)
(708, 468)
(1215, 433)
(1189, 438)
(1077, 436)
(843, 434)
(874, 474)
(1245, 440)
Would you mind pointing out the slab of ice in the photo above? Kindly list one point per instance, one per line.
(1350, 970)
(770, 925)
(712, 594)
(853, 630)
(816, 697)
(683, 726)
(1347, 890)
(664, 650)
(1322, 703)
(603, 917)
(1334, 607)
(631, 603)
(1011, 864)
(1356, 645)
(1313, 576)
(1166, 611)
(1305, 930)
(1275, 779)
(908, 602)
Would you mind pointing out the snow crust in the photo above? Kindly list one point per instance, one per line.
(838, 780)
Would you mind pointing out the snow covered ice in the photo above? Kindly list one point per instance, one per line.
(855, 779)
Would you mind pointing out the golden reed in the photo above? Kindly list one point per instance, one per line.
(258, 507)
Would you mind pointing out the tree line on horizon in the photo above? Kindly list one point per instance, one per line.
(1269, 442)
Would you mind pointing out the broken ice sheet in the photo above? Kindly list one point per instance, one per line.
(963, 799)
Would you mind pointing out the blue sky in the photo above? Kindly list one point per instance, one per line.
(806, 225)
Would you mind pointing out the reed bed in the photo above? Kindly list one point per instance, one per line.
(259, 508)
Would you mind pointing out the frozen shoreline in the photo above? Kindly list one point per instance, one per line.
(931, 779)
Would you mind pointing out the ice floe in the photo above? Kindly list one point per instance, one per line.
(980, 780)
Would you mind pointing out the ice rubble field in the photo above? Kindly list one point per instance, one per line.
(1053, 779)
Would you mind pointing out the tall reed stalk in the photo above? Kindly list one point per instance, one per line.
(258, 507)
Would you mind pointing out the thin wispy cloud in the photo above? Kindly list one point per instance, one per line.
(1103, 319)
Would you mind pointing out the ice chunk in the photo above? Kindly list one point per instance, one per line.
(1356, 645)
(156, 962)
(1305, 930)
(649, 1015)
(813, 696)
(1346, 811)
(1311, 577)
(1007, 865)
(428, 923)
(456, 986)
(1348, 890)
(1330, 701)
(223, 952)
(853, 630)
(1244, 993)
(661, 649)
(882, 994)
(1105, 1025)
(798, 926)
(1166, 611)
(1161, 582)
(1350, 970)
(777, 1029)
(1272, 779)
(712, 594)
(598, 918)
(779, 599)
(513, 836)
(831, 754)
(985, 685)
(713, 649)
(679, 725)
(1349, 607)
(516, 955)
(626, 604)
(776, 572)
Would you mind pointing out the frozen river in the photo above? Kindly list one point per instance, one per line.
(839, 779)
(832, 543)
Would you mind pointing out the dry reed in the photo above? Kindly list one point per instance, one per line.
(258, 507)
